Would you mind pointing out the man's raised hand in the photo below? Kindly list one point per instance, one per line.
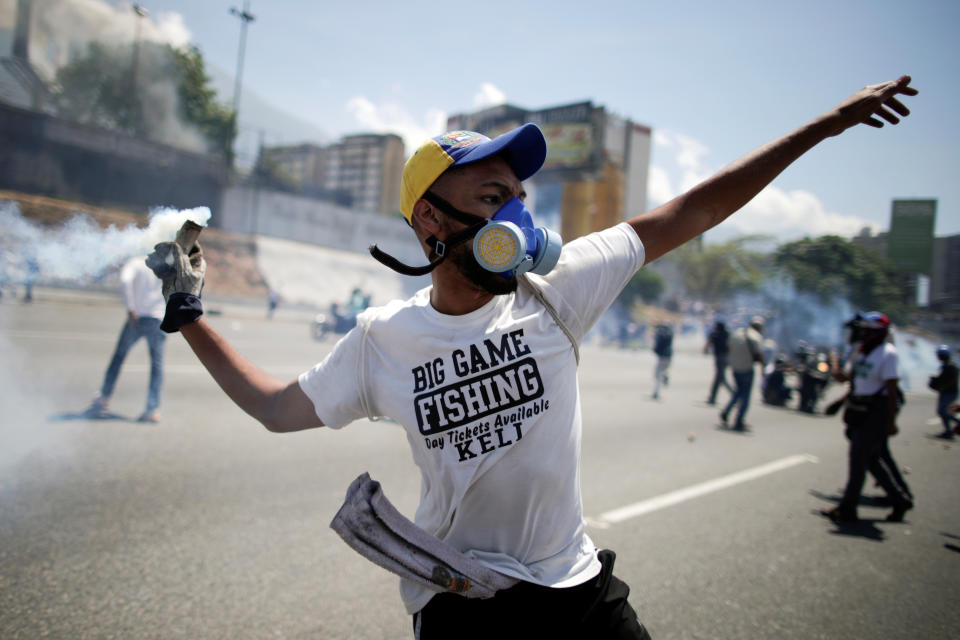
(872, 105)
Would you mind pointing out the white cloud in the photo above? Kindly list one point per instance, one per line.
(488, 96)
(658, 186)
(390, 117)
(680, 163)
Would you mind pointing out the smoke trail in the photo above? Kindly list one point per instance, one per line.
(80, 250)
(793, 316)
(62, 29)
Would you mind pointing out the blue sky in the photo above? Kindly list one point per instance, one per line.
(713, 80)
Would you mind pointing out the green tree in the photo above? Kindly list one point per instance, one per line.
(831, 266)
(150, 90)
(198, 101)
(646, 285)
(716, 272)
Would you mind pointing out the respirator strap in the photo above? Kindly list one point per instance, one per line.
(439, 252)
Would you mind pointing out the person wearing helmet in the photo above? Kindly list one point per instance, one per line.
(870, 416)
(945, 384)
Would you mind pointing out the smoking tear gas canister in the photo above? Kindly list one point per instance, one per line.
(161, 261)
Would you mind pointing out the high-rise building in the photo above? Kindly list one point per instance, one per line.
(299, 166)
(945, 280)
(369, 167)
(595, 174)
(365, 168)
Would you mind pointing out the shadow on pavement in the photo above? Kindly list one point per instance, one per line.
(862, 528)
(737, 432)
(102, 416)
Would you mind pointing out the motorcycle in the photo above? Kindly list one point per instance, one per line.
(814, 375)
(337, 321)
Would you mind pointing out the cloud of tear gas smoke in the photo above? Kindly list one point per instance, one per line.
(794, 316)
(22, 431)
(62, 28)
(80, 250)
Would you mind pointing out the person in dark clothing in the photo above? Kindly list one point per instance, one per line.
(775, 389)
(945, 384)
(663, 347)
(717, 343)
(870, 417)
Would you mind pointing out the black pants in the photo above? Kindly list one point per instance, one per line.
(867, 441)
(595, 610)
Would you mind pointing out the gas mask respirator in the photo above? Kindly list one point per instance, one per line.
(507, 243)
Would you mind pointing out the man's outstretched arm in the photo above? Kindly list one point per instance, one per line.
(280, 406)
(713, 200)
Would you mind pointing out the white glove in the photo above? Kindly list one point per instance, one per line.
(180, 273)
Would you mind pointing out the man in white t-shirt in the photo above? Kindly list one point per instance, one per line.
(480, 368)
(145, 308)
(870, 417)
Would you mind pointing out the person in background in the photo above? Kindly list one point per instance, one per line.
(663, 348)
(30, 278)
(774, 388)
(717, 343)
(945, 384)
(870, 417)
(145, 307)
(744, 345)
(273, 298)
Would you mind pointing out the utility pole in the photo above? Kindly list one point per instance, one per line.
(134, 71)
(245, 18)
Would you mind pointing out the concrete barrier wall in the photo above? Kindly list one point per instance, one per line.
(49, 156)
(262, 212)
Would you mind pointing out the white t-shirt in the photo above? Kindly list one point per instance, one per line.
(141, 289)
(871, 372)
(491, 406)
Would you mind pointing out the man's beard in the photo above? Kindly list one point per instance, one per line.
(491, 282)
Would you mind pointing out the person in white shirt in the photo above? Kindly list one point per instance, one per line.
(145, 308)
(480, 368)
(870, 417)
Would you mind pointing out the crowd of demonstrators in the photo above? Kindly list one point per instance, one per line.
(492, 314)
(144, 311)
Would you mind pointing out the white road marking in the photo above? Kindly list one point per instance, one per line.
(644, 507)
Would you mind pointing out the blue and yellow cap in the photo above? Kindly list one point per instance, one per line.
(524, 149)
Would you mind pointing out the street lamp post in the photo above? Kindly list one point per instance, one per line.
(245, 18)
(141, 13)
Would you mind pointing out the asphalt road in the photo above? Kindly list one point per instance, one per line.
(208, 526)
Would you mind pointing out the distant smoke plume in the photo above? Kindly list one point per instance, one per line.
(61, 29)
(61, 32)
(80, 251)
